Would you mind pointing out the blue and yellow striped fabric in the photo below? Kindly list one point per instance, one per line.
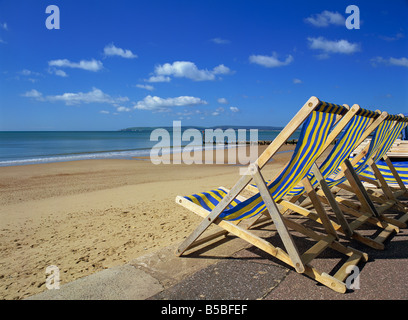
(390, 139)
(209, 200)
(384, 135)
(315, 131)
(346, 143)
(400, 166)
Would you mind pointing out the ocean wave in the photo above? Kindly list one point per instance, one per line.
(74, 157)
(129, 154)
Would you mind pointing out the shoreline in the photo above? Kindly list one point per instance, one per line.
(89, 215)
(122, 154)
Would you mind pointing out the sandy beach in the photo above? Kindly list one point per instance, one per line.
(85, 216)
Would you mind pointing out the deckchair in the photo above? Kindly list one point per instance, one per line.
(226, 208)
(382, 175)
(395, 173)
(401, 168)
(363, 123)
(399, 149)
(383, 137)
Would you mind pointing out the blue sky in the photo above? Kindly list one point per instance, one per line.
(118, 64)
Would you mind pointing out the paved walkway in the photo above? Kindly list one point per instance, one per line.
(234, 270)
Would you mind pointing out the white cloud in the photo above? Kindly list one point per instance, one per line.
(328, 46)
(270, 61)
(326, 18)
(158, 79)
(234, 109)
(104, 112)
(186, 69)
(401, 62)
(123, 109)
(94, 96)
(221, 69)
(220, 41)
(145, 86)
(29, 73)
(222, 100)
(398, 36)
(163, 104)
(111, 50)
(297, 81)
(57, 72)
(25, 72)
(60, 73)
(218, 111)
(4, 26)
(32, 94)
(90, 65)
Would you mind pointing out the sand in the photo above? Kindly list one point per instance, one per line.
(85, 216)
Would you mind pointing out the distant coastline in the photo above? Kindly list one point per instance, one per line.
(222, 127)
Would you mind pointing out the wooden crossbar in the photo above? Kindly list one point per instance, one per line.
(290, 254)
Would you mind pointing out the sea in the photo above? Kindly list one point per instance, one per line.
(33, 147)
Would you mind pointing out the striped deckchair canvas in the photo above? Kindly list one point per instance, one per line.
(227, 208)
(385, 166)
(366, 212)
(400, 166)
(361, 161)
(383, 138)
(386, 180)
(363, 124)
(314, 134)
(356, 131)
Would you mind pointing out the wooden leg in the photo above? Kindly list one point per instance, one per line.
(359, 189)
(213, 215)
(319, 208)
(383, 184)
(395, 174)
(278, 221)
(334, 205)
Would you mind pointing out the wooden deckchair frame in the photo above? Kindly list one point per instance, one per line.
(292, 257)
(390, 192)
(339, 205)
(389, 196)
(366, 211)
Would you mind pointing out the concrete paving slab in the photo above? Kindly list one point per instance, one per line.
(119, 283)
(230, 279)
(231, 269)
(168, 268)
(145, 276)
